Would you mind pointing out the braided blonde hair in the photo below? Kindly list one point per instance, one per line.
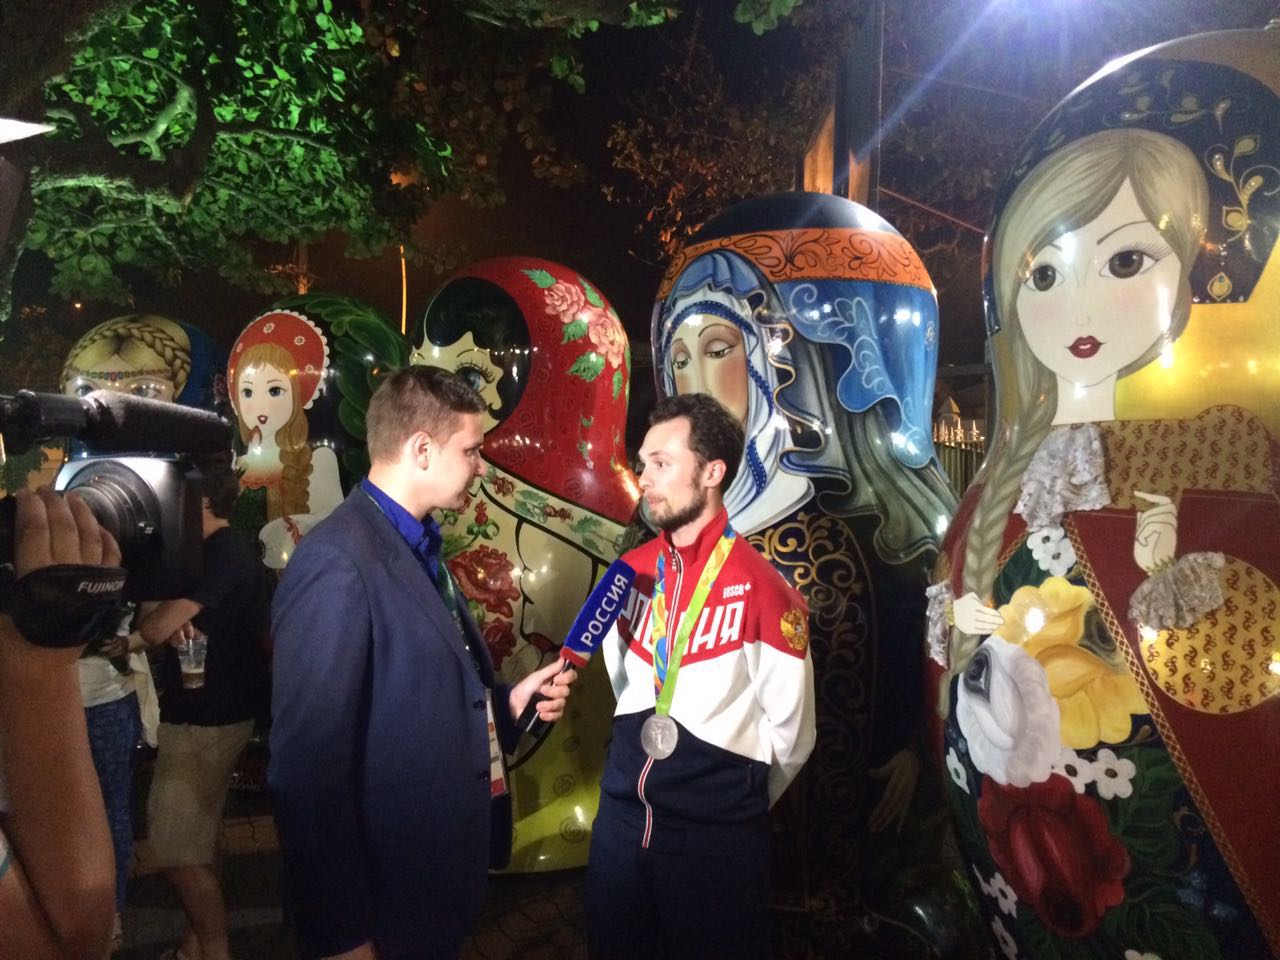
(142, 340)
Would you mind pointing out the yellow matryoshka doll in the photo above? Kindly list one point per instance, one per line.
(1105, 614)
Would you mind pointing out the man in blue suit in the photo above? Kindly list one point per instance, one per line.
(389, 728)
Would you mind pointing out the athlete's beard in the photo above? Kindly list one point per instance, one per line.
(678, 518)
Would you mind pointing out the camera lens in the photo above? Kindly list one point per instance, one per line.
(119, 510)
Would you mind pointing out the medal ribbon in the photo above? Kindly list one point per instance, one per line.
(667, 656)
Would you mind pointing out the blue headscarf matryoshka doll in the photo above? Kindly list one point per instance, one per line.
(1106, 608)
(816, 324)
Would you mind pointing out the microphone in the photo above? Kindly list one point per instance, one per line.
(111, 422)
(601, 609)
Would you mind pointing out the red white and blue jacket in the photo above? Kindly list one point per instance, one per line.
(743, 701)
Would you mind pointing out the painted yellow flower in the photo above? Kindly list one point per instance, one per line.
(1095, 700)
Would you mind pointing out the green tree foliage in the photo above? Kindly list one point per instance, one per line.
(186, 131)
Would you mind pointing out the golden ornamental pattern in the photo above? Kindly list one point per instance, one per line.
(1223, 663)
(816, 254)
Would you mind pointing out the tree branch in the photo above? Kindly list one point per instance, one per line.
(253, 130)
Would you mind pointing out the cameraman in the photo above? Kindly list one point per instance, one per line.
(57, 869)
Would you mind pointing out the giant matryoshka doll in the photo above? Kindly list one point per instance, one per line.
(148, 356)
(549, 356)
(1106, 689)
(300, 377)
(816, 324)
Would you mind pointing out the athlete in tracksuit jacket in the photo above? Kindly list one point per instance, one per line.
(679, 851)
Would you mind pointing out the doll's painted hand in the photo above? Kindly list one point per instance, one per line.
(972, 615)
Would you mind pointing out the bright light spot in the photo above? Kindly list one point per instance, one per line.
(1274, 665)
(774, 346)
(1166, 355)
(1079, 391)
(1147, 634)
(18, 129)
(1067, 244)
(903, 443)
(778, 422)
(1253, 366)
(1164, 307)
(1034, 621)
(826, 308)
(77, 304)
(941, 526)
(902, 315)
(813, 314)
(915, 318)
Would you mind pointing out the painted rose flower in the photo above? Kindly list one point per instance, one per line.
(1053, 848)
(1095, 698)
(500, 639)
(956, 769)
(1078, 771)
(484, 574)
(1052, 550)
(1113, 776)
(607, 336)
(565, 301)
(482, 513)
(1007, 714)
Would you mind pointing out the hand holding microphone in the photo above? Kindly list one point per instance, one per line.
(593, 622)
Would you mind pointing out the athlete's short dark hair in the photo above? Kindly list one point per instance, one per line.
(714, 433)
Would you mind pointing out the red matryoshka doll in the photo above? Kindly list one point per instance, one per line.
(814, 322)
(1105, 613)
(548, 354)
(279, 369)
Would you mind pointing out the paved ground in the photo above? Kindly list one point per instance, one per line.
(530, 917)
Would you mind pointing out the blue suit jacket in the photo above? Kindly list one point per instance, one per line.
(379, 746)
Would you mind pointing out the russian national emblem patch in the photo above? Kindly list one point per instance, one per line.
(795, 630)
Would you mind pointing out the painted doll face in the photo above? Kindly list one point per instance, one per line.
(265, 399)
(473, 364)
(115, 373)
(707, 356)
(1096, 299)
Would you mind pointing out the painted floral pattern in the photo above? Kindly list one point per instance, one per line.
(585, 315)
(484, 574)
(1054, 848)
(1078, 828)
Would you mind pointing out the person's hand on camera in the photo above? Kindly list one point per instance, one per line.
(54, 532)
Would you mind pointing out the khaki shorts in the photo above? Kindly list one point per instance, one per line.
(188, 793)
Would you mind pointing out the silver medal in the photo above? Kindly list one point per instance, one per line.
(658, 736)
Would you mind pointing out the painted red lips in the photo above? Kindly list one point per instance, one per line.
(1085, 347)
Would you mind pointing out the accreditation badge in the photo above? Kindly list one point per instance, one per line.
(497, 766)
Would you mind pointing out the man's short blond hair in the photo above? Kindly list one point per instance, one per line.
(413, 399)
